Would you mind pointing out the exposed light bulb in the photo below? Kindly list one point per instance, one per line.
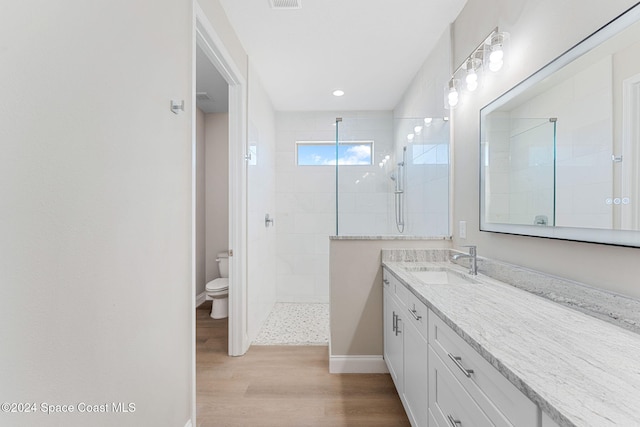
(417, 130)
(387, 157)
(496, 54)
(428, 120)
(410, 137)
(472, 80)
(453, 97)
(495, 65)
(381, 164)
(496, 50)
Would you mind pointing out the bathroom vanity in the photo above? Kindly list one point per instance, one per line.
(467, 350)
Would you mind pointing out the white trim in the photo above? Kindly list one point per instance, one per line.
(193, 216)
(630, 135)
(357, 365)
(188, 424)
(200, 298)
(213, 47)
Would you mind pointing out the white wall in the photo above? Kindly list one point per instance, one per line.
(95, 200)
(261, 200)
(216, 190)
(540, 30)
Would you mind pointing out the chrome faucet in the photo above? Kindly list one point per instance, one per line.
(473, 261)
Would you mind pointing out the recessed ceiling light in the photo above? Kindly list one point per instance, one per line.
(338, 92)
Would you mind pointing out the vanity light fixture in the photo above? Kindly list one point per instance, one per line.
(453, 96)
(495, 48)
(489, 54)
(473, 66)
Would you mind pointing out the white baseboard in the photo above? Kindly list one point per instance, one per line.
(357, 365)
(200, 298)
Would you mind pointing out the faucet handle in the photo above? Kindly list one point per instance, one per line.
(472, 249)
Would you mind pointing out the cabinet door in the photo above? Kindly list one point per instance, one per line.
(393, 336)
(449, 404)
(416, 384)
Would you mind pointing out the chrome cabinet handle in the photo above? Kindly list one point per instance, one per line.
(453, 421)
(414, 313)
(457, 361)
(394, 323)
(398, 331)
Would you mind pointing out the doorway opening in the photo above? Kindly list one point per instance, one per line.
(210, 47)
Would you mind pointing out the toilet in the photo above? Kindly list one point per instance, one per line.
(218, 289)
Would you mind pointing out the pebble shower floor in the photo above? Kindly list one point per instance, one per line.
(295, 324)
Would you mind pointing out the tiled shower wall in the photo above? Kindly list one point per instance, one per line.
(305, 198)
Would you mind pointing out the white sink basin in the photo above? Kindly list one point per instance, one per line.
(440, 277)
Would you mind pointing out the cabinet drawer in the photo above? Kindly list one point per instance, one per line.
(503, 403)
(449, 404)
(418, 314)
(398, 289)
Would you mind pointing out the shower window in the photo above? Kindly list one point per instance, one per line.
(323, 153)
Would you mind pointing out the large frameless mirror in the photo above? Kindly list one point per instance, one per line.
(560, 152)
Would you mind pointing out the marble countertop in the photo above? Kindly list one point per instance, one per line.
(389, 237)
(578, 369)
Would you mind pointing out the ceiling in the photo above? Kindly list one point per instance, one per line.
(212, 90)
(371, 49)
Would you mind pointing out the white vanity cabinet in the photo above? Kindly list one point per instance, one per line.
(406, 348)
(441, 380)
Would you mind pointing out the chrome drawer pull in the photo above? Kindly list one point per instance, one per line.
(385, 281)
(398, 331)
(395, 322)
(456, 360)
(453, 421)
(415, 314)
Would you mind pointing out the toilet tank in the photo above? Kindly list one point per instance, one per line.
(223, 264)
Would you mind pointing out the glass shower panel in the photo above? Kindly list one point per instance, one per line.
(363, 187)
(422, 153)
(520, 171)
(390, 184)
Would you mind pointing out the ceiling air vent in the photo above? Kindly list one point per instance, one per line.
(285, 4)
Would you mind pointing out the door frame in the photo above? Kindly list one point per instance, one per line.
(206, 37)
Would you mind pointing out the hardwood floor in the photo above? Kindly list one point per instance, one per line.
(284, 386)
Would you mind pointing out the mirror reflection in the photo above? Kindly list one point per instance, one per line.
(561, 150)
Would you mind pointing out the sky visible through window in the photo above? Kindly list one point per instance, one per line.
(324, 153)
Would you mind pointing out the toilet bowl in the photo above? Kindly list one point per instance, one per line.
(217, 290)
